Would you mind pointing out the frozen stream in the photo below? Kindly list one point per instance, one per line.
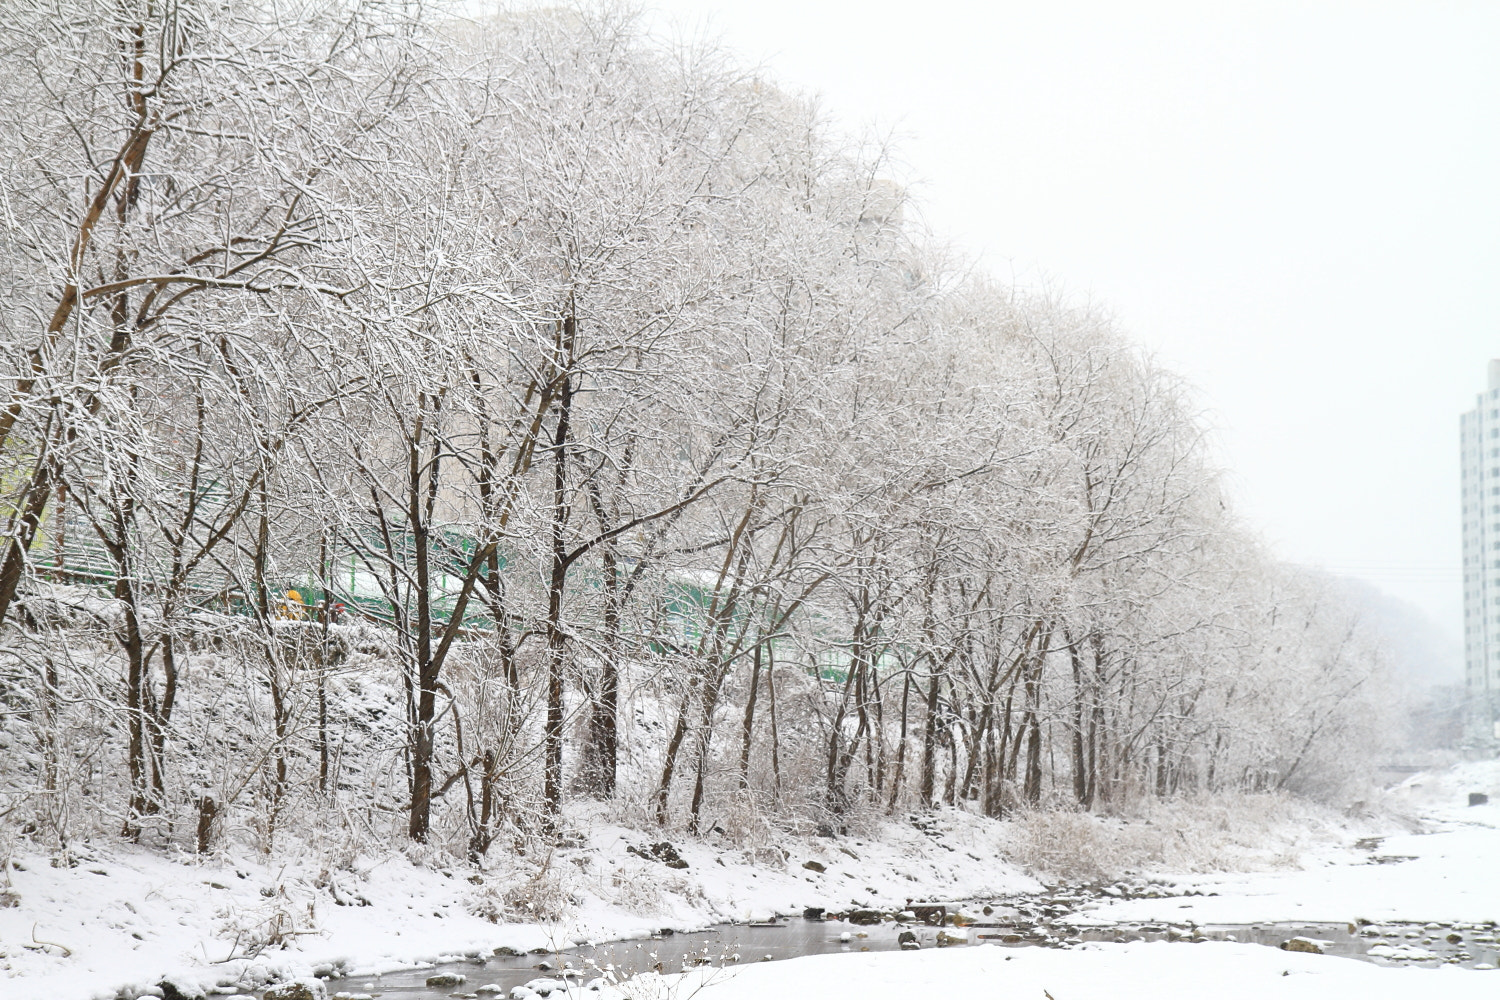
(741, 943)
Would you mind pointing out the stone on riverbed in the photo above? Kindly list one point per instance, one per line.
(540, 988)
(928, 913)
(1308, 945)
(1402, 953)
(173, 991)
(445, 979)
(298, 989)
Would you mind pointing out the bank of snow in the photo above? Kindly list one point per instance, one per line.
(1447, 873)
(1139, 971)
(125, 919)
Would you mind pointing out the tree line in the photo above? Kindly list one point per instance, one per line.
(423, 423)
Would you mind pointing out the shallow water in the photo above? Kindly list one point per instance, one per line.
(742, 943)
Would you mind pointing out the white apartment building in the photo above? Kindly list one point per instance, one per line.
(1480, 433)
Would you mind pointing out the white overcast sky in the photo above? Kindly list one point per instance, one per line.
(1296, 205)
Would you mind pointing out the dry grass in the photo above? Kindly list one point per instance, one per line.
(1201, 833)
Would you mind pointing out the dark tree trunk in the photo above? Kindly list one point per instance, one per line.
(23, 535)
(709, 705)
(929, 737)
(484, 833)
(899, 774)
(601, 749)
(775, 730)
(422, 491)
(208, 811)
(674, 747)
(1080, 696)
(552, 784)
(749, 721)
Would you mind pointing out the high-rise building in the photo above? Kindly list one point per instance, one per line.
(1480, 433)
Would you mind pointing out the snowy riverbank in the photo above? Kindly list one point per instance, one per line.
(1447, 875)
(131, 918)
(1140, 971)
(125, 920)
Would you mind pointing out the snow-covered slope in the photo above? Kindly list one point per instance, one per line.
(122, 920)
(129, 918)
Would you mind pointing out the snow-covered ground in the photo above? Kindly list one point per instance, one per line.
(1450, 875)
(1448, 872)
(122, 921)
(1141, 971)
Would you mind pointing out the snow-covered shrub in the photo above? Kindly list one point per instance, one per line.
(1186, 833)
(1066, 844)
(542, 892)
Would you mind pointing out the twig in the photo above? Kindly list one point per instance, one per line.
(67, 952)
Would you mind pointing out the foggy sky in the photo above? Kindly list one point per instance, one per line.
(1295, 205)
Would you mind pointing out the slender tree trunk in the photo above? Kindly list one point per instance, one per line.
(602, 746)
(748, 725)
(552, 785)
(950, 783)
(775, 730)
(422, 484)
(1033, 787)
(709, 705)
(1080, 760)
(32, 507)
(899, 774)
(674, 747)
(484, 835)
(929, 736)
(135, 707)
